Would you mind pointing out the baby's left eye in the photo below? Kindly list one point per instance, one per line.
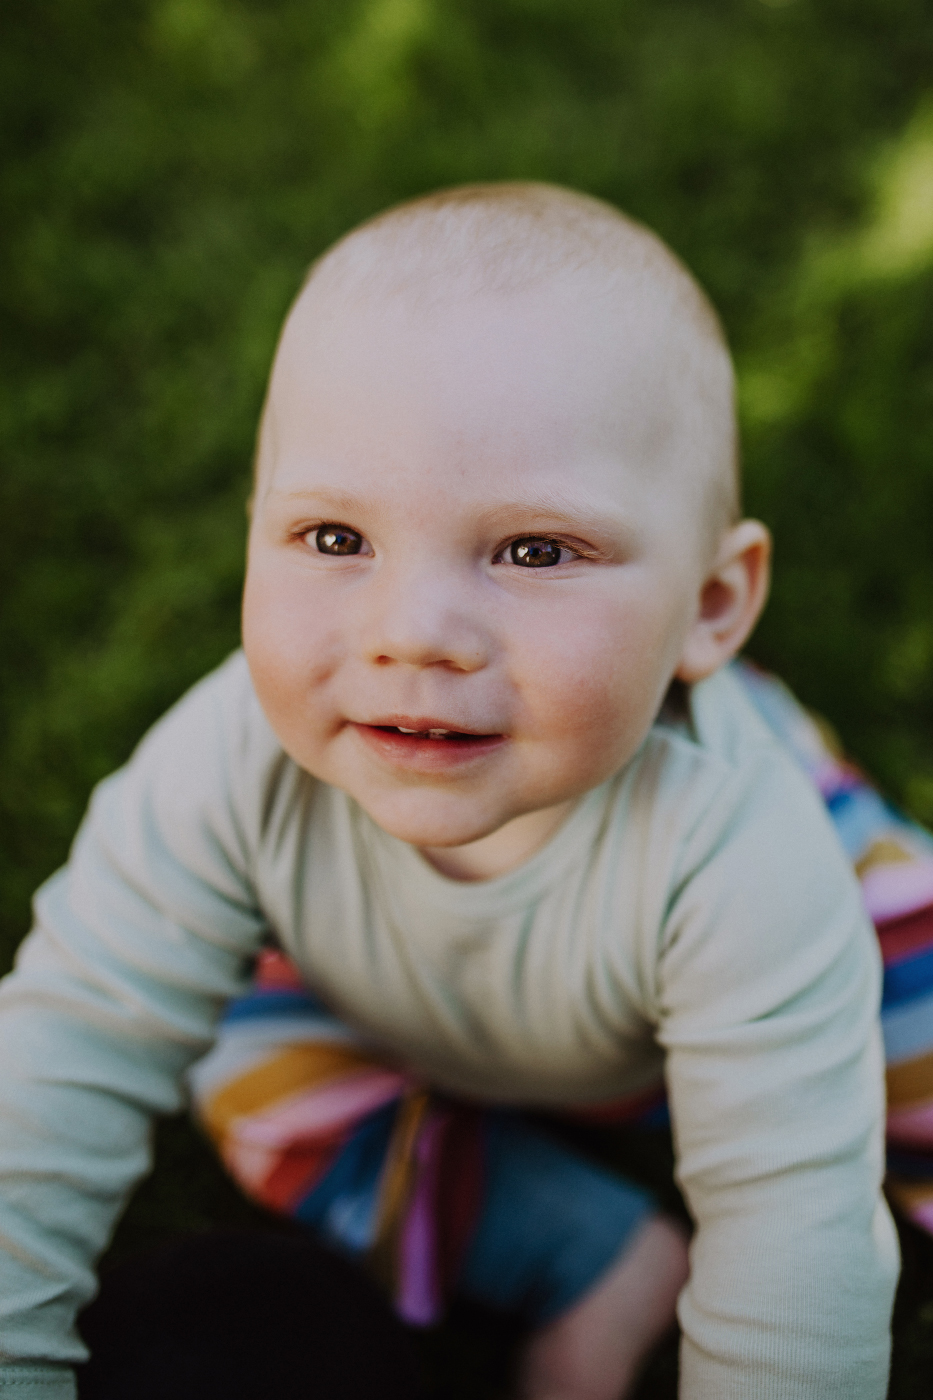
(337, 539)
(534, 553)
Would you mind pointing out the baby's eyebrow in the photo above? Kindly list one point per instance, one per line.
(555, 511)
(342, 502)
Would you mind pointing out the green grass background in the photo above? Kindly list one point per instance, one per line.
(169, 168)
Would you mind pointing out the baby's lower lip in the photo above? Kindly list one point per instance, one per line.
(424, 752)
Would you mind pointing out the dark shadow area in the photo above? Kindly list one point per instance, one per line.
(469, 1357)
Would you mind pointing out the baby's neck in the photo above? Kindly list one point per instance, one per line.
(502, 850)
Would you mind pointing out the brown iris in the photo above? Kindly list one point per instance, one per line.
(337, 539)
(535, 554)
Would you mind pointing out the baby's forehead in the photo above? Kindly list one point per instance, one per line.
(519, 248)
(566, 355)
(421, 272)
(541, 277)
(503, 237)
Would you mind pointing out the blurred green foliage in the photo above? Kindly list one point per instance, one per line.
(169, 167)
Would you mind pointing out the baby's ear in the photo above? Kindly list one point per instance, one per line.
(730, 601)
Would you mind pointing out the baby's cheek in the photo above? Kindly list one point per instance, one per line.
(586, 718)
(289, 661)
(600, 705)
(273, 663)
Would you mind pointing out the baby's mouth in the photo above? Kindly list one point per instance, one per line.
(426, 744)
(423, 745)
(455, 735)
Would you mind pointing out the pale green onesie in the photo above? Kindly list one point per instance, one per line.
(694, 917)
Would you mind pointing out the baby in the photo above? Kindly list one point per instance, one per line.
(483, 776)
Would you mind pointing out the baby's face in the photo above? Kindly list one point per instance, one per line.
(471, 567)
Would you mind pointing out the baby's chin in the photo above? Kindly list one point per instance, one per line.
(429, 820)
(467, 845)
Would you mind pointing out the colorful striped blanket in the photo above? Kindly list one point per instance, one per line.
(312, 1123)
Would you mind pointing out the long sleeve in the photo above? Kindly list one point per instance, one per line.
(137, 945)
(767, 993)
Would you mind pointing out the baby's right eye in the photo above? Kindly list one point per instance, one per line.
(338, 539)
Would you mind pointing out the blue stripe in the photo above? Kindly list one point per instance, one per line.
(908, 1030)
(277, 1003)
(356, 1169)
(657, 1117)
(908, 979)
(860, 816)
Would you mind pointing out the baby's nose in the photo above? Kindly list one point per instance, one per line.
(425, 619)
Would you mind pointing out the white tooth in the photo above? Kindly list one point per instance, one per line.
(438, 733)
(405, 731)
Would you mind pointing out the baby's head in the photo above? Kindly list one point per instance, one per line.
(497, 505)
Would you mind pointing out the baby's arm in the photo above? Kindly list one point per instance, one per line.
(137, 945)
(767, 993)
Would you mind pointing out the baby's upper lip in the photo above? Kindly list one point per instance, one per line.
(420, 724)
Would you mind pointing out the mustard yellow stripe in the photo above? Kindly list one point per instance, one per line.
(911, 1082)
(909, 1194)
(291, 1069)
(884, 851)
(398, 1177)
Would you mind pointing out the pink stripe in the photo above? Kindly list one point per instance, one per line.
(892, 890)
(912, 1126)
(250, 1164)
(313, 1112)
(922, 1215)
(418, 1301)
(829, 777)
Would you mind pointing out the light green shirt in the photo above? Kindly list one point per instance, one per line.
(694, 917)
